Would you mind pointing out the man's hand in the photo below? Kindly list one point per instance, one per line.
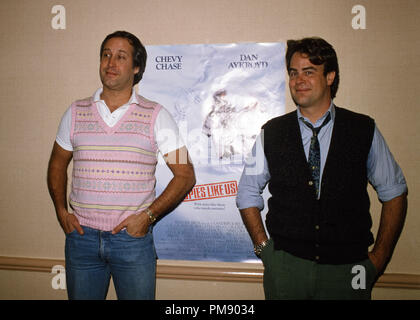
(69, 222)
(377, 262)
(137, 225)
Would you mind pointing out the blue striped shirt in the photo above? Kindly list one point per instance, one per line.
(383, 173)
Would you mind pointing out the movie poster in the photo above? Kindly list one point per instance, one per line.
(219, 95)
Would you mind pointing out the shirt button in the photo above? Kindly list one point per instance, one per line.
(310, 183)
(317, 227)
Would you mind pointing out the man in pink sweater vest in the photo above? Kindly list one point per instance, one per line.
(114, 138)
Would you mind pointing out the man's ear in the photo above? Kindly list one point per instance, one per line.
(330, 77)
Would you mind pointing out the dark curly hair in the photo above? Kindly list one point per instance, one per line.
(139, 52)
(319, 52)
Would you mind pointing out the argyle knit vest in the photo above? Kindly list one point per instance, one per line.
(336, 228)
(113, 167)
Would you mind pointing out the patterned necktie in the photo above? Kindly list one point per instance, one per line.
(314, 158)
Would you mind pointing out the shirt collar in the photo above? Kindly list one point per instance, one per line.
(331, 110)
(133, 98)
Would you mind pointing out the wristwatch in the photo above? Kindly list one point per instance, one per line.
(259, 247)
(150, 214)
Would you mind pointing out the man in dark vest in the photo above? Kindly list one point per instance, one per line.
(317, 162)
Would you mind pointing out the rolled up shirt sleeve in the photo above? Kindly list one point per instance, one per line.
(255, 177)
(384, 173)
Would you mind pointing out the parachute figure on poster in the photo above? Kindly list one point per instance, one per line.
(230, 128)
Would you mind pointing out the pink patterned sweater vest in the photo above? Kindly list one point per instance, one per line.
(113, 168)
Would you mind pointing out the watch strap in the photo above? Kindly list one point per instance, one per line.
(152, 217)
(259, 247)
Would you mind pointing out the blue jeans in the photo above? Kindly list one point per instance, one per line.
(92, 258)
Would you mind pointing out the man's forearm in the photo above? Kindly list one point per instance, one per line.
(57, 179)
(254, 224)
(173, 194)
(182, 182)
(57, 186)
(391, 223)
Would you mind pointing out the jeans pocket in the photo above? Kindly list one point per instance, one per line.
(135, 237)
(71, 232)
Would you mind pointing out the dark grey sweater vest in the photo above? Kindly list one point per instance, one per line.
(336, 228)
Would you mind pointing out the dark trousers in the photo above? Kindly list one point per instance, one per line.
(290, 277)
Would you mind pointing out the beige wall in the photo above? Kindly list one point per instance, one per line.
(34, 286)
(44, 70)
